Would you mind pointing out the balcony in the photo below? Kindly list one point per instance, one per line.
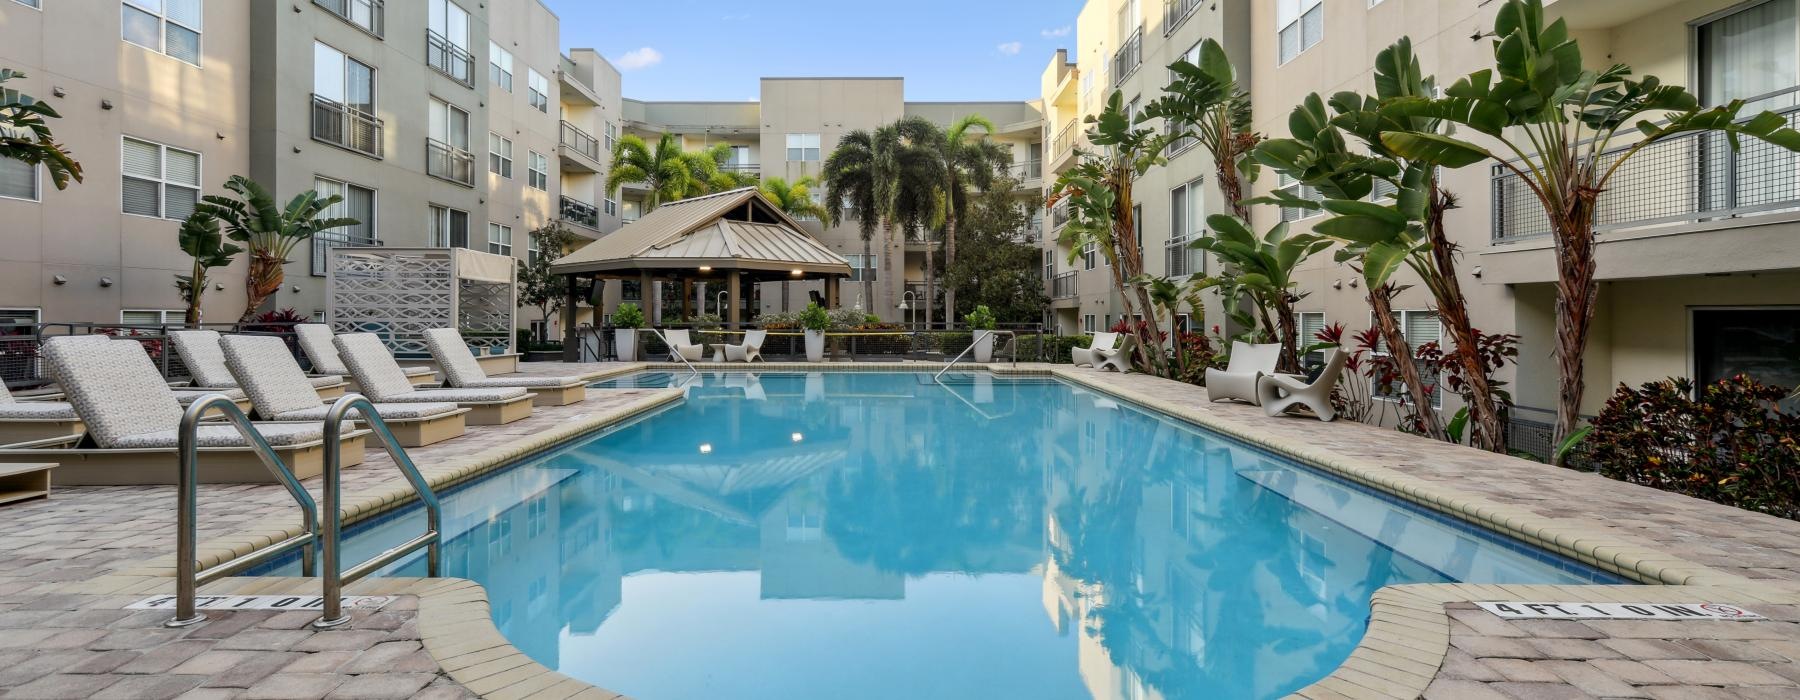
(1129, 56)
(576, 211)
(451, 60)
(340, 125)
(580, 151)
(1686, 179)
(1026, 171)
(367, 15)
(1175, 12)
(1059, 215)
(1064, 143)
(743, 168)
(1063, 286)
(448, 162)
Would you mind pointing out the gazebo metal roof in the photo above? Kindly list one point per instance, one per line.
(735, 230)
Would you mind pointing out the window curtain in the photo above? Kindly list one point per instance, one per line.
(1751, 53)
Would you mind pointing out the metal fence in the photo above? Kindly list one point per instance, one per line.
(1177, 11)
(580, 212)
(580, 141)
(449, 162)
(1063, 286)
(1065, 140)
(21, 345)
(371, 15)
(449, 59)
(340, 125)
(1030, 343)
(1128, 57)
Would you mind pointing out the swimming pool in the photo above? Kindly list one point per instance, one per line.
(881, 535)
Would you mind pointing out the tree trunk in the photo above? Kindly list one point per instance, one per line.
(868, 291)
(1382, 301)
(1576, 294)
(262, 281)
(1453, 310)
(949, 259)
(930, 283)
(1289, 360)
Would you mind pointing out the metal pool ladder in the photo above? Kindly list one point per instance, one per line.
(677, 355)
(976, 340)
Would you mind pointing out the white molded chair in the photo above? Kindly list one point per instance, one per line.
(1280, 392)
(1248, 364)
(1118, 359)
(683, 347)
(750, 350)
(1090, 355)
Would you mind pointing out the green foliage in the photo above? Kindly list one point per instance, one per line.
(538, 287)
(669, 172)
(25, 134)
(268, 230)
(814, 318)
(793, 198)
(1263, 266)
(980, 319)
(628, 315)
(991, 268)
(200, 238)
(1728, 442)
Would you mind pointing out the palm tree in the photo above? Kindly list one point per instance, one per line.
(268, 230)
(1207, 104)
(669, 172)
(854, 181)
(969, 160)
(793, 198)
(887, 178)
(25, 136)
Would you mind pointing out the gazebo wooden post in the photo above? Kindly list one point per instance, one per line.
(731, 287)
(571, 340)
(647, 297)
(687, 298)
(831, 291)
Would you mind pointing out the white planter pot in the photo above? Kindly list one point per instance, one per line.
(984, 346)
(625, 339)
(815, 346)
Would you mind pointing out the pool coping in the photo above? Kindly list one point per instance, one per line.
(1406, 641)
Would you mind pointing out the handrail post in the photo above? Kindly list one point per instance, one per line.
(335, 577)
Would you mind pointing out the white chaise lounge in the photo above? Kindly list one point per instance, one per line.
(1238, 380)
(265, 368)
(25, 421)
(133, 421)
(183, 394)
(1089, 356)
(748, 351)
(1281, 392)
(205, 361)
(315, 341)
(381, 379)
(681, 346)
(463, 371)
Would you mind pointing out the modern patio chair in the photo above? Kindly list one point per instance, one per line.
(315, 341)
(1089, 355)
(133, 423)
(748, 351)
(205, 361)
(278, 387)
(1238, 380)
(683, 347)
(1281, 392)
(382, 381)
(463, 371)
(1118, 359)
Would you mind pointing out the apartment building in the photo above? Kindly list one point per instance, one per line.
(439, 122)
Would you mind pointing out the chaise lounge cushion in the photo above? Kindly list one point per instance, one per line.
(462, 370)
(381, 380)
(277, 434)
(45, 410)
(316, 342)
(201, 353)
(280, 391)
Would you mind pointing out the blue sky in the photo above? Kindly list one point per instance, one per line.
(945, 49)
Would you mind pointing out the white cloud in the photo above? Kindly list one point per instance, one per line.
(639, 58)
(1058, 32)
(1011, 48)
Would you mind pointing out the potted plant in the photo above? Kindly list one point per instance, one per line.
(981, 322)
(815, 321)
(627, 319)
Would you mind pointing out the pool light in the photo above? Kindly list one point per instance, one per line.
(705, 448)
(796, 437)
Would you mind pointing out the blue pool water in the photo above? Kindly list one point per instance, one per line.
(869, 535)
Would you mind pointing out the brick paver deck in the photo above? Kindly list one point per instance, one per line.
(68, 565)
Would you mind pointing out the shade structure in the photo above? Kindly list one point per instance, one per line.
(738, 230)
(399, 293)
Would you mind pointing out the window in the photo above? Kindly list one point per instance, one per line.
(1087, 323)
(365, 14)
(1309, 324)
(1760, 342)
(18, 179)
(449, 227)
(170, 27)
(537, 91)
(449, 124)
(1299, 24)
(14, 321)
(1750, 53)
(532, 248)
(1089, 254)
(342, 79)
(447, 143)
(612, 207)
(152, 317)
(359, 204)
(1187, 214)
(499, 240)
(158, 180)
(537, 173)
(447, 40)
(34, 4)
(803, 147)
(1417, 327)
(500, 67)
(612, 136)
(499, 155)
(1291, 186)
(863, 269)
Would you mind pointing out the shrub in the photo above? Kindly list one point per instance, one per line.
(628, 315)
(1729, 442)
(779, 321)
(980, 319)
(814, 318)
(1051, 348)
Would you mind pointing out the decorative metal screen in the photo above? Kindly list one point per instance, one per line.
(399, 293)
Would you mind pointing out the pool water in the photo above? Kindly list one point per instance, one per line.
(882, 535)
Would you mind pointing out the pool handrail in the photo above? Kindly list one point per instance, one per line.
(334, 577)
(677, 355)
(976, 340)
(187, 578)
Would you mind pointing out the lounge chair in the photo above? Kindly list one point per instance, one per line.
(463, 371)
(183, 394)
(1280, 392)
(382, 381)
(748, 351)
(278, 389)
(315, 341)
(1238, 380)
(1089, 355)
(25, 421)
(683, 347)
(1118, 359)
(205, 362)
(133, 422)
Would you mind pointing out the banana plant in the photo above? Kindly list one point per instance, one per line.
(1205, 102)
(1265, 264)
(1553, 120)
(25, 134)
(269, 232)
(200, 239)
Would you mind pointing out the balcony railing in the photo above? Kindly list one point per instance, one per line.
(338, 124)
(1130, 54)
(1175, 12)
(580, 141)
(1059, 214)
(449, 59)
(324, 241)
(1063, 285)
(745, 168)
(1027, 170)
(1691, 178)
(370, 15)
(1179, 260)
(1065, 140)
(445, 161)
(580, 212)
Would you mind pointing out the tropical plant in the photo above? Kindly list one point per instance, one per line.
(669, 172)
(1265, 266)
(793, 198)
(980, 319)
(201, 240)
(1492, 353)
(1353, 397)
(971, 163)
(269, 232)
(1557, 122)
(887, 178)
(814, 318)
(538, 286)
(1098, 189)
(1205, 103)
(628, 315)
(25, 134)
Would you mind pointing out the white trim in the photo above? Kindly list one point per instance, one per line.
(162, 31)
(162, 178)
(37, 184)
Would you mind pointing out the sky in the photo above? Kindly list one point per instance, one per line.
(717, 50)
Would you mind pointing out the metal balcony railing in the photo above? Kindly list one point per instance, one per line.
(580, 212)
(1059, 214)
(746, 168)
(1175, 12)
(370, 15)
(1027, 170)
(343, 126)
(449, 59)
(1065, 140)
(445, 161)
(1179, 260)
(1128, 57)
(1063, 286)
(580, 141)
(324, 241)
(1691, 178)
